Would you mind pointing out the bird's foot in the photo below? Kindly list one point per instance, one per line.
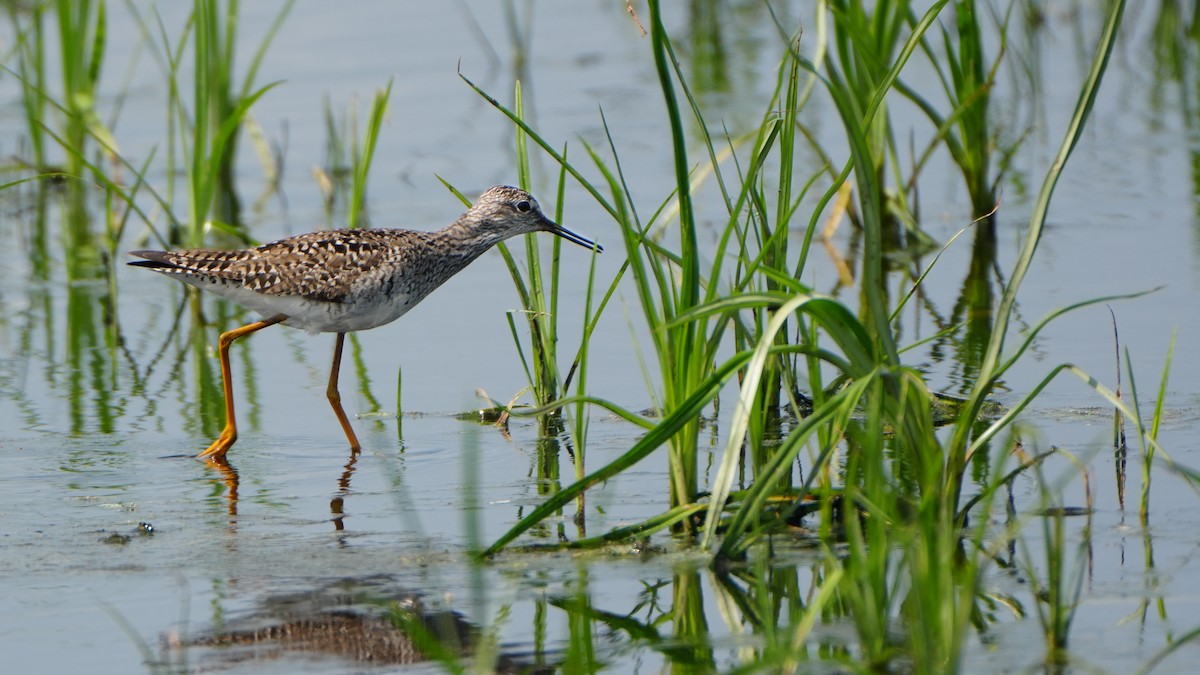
(216, 452)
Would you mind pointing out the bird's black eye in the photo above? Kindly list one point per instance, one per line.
(524, 206)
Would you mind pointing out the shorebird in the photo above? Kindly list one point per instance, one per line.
(339, 281)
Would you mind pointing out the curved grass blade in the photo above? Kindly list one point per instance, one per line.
(746, 402)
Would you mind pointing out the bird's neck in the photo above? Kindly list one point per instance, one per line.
(467, 238)
(458, 245)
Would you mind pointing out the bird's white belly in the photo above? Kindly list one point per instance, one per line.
(336, 317)
(316, 316)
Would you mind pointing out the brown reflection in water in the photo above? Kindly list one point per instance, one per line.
(361, 620)
(337, 504)
(228, 476)
(358, 638)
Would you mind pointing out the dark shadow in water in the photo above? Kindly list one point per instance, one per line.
(964, 348)
(976, 305)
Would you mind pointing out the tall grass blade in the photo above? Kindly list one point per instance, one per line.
(362, 159)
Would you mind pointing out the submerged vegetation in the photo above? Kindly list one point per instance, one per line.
(834, 439)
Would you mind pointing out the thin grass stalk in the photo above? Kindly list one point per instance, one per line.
(97, 173)
(580, 364)
(942, 560)
(658, 299)
(82, 28)
(787, 205)
(116, 230)
(520, 280)
(741, 529)
(1191, 477)
(207, 86)
(869, 585)
(1175, 642)
(169, 60)
(655, 283)
(857, 110)
(400, 407)
(555, 267)
(341, 150)
(816, 66)
(640, 530)
(1057, 597)
(355, 216)
(542, 311)
(1155, 422)
(31, 69)
(173, 60)
(622, 212)
(687, 365)
(82, 31)
(972, 83)
(1147, 450)
(865, 41)
(965, 131)
(772, 258)
(539, 308)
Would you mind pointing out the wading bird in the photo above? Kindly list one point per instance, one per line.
(339, 281)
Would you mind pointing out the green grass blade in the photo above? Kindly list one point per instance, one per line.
(362, 167)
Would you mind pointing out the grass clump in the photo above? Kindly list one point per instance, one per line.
(908, 551)
(205, 129)
(348, 160)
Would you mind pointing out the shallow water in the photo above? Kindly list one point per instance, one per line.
(99, 424)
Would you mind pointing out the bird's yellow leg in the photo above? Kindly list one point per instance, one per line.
(216, 451)
(335, 397)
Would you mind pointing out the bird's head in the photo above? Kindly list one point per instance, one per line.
(504, 212)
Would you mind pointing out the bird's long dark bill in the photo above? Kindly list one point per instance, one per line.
(572, 237)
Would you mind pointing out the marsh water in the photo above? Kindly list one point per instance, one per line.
(120, 552)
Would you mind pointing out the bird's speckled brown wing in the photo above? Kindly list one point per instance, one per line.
(325, 266)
